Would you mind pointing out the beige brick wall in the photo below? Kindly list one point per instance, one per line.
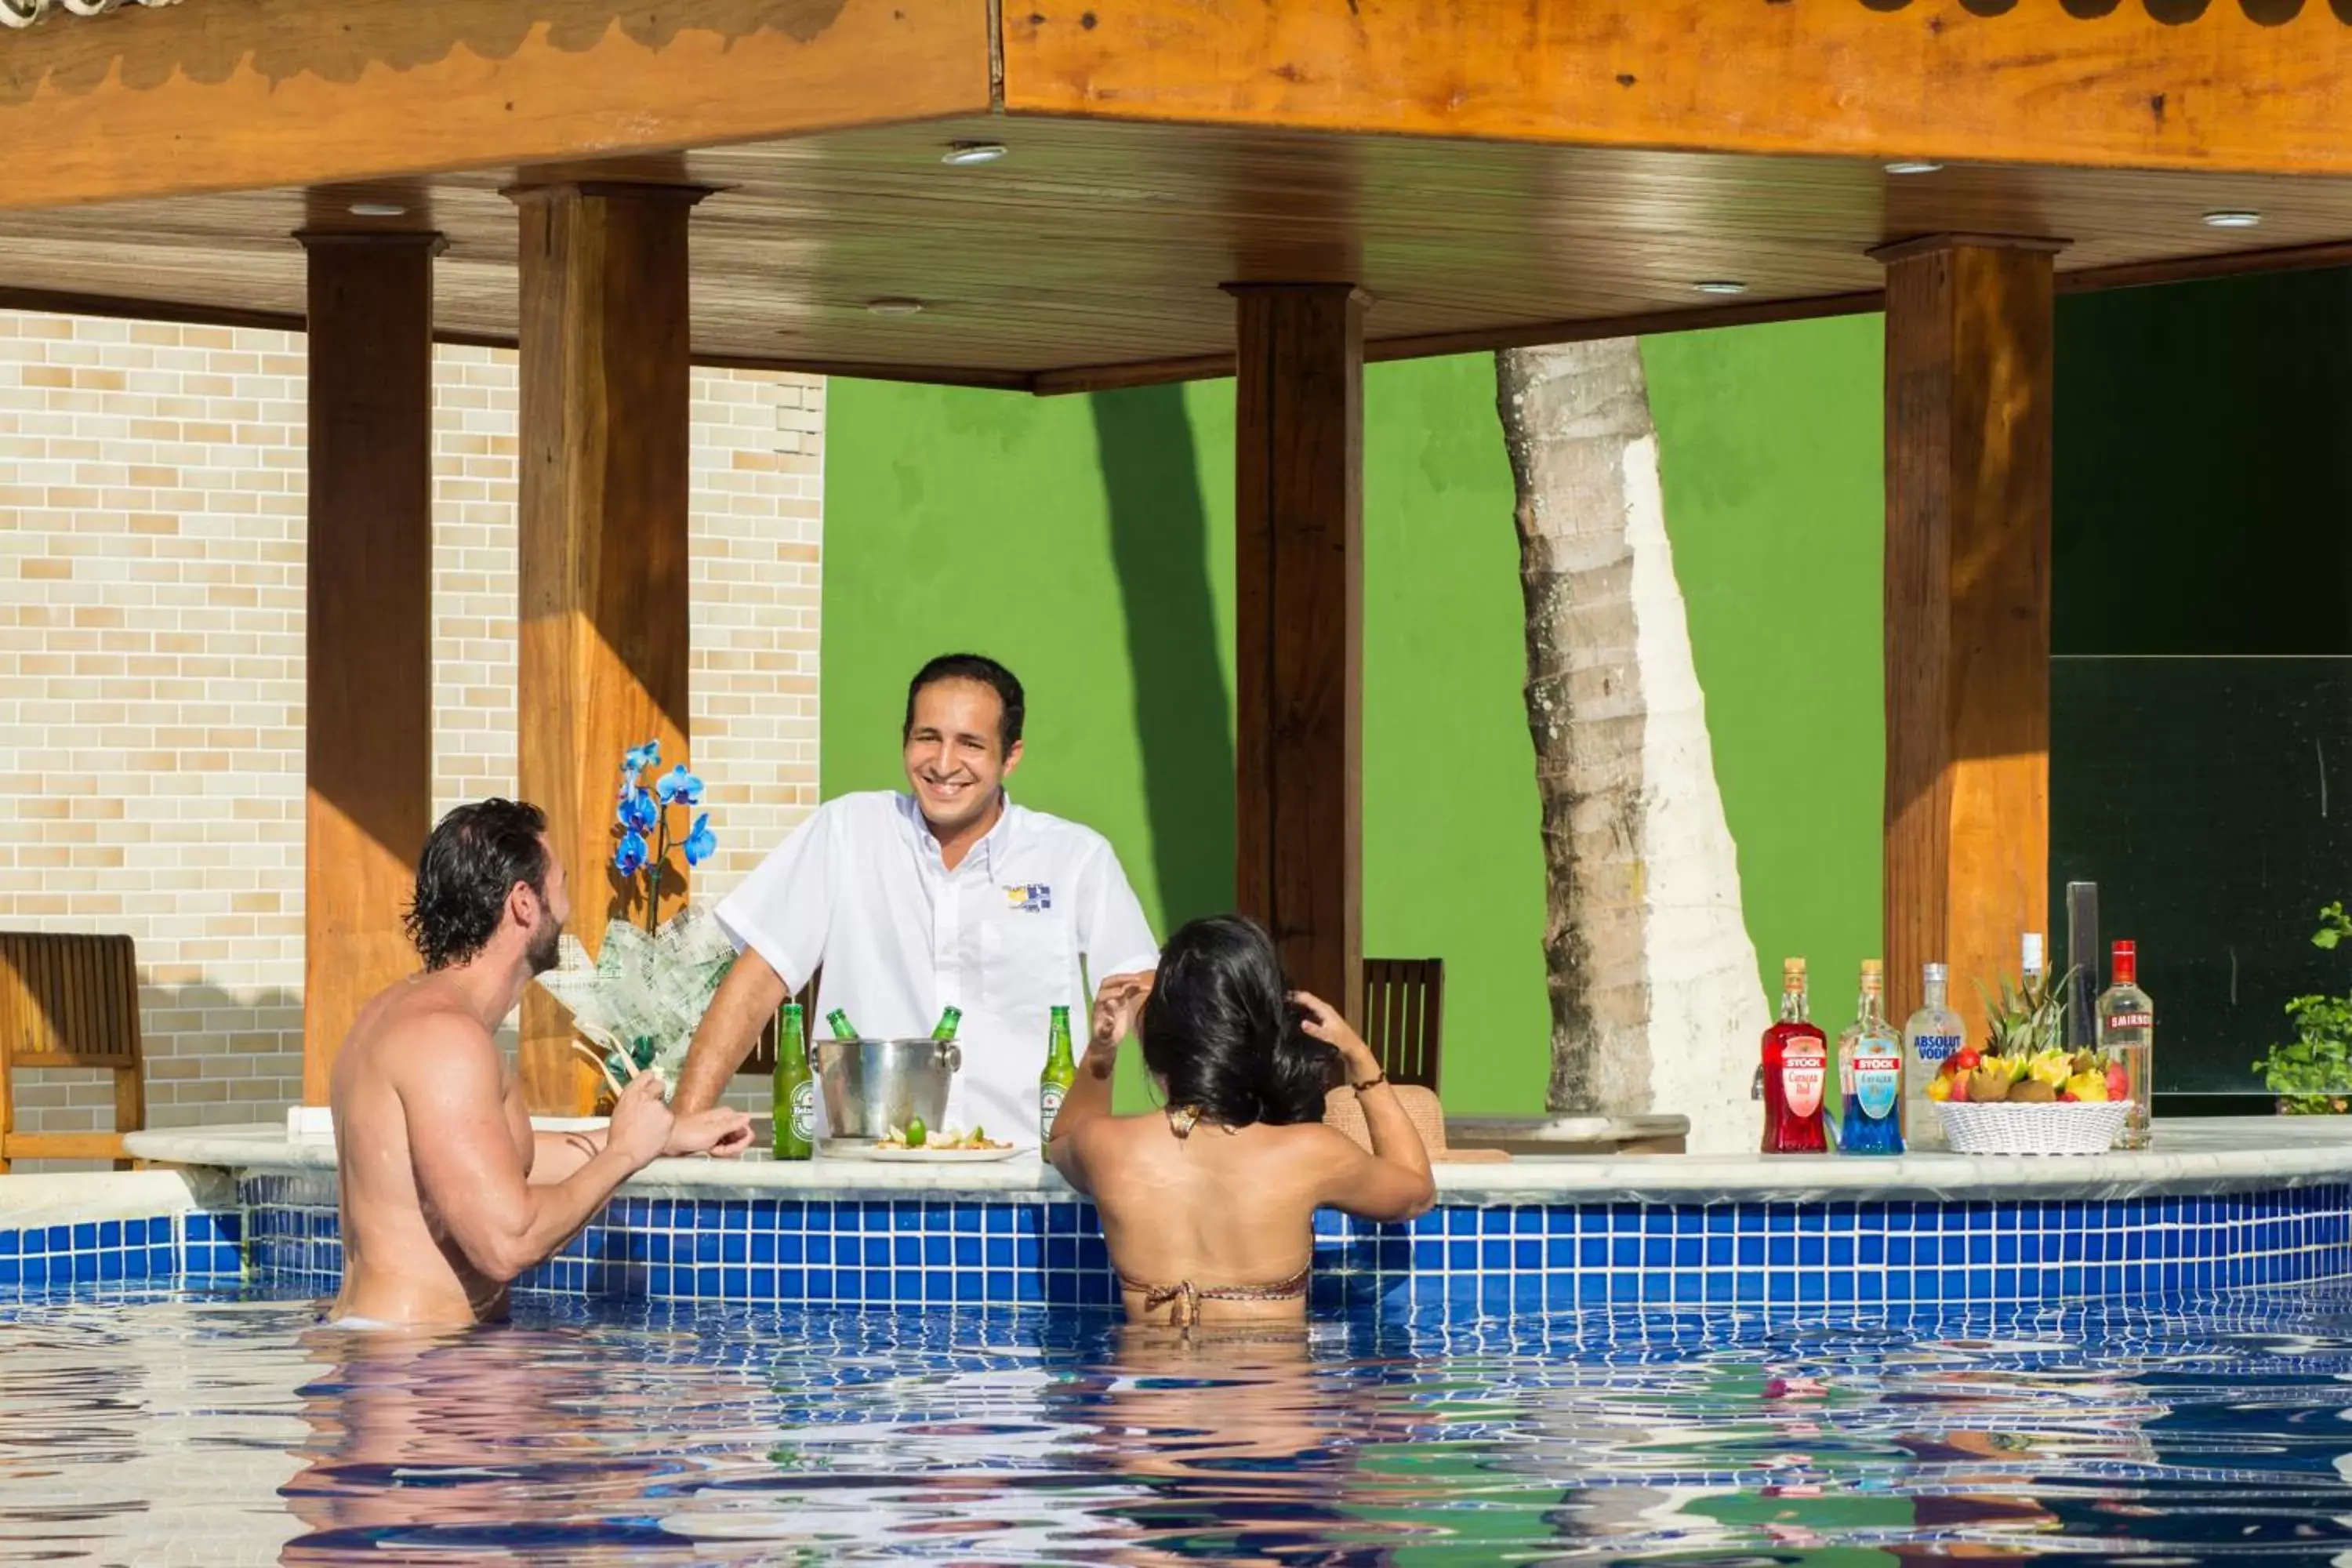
(152, 527)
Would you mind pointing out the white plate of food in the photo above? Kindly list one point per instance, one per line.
(931, 1156)
(949, 1147)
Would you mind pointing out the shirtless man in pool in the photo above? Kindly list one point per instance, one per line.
(448, 1192)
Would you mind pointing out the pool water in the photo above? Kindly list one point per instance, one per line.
(174, 1428)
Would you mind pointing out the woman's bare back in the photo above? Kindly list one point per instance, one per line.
(1216, 1225)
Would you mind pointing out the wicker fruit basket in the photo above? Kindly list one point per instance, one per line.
(2066, 1127)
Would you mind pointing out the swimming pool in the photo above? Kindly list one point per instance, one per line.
(152, 1426)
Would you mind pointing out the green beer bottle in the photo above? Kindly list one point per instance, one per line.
(1059, 1074)
(949, 1022)
(795, 1101)
(838, 1022)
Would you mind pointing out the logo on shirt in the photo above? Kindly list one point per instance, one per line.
(1030, 898)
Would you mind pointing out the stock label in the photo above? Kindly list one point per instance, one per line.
(1802, 1072)
(1877, 1082)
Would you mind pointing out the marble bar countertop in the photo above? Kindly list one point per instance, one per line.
(2202, 1156)
(75, 1197)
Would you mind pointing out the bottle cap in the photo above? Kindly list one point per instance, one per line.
(1793, 969)
(1934, 973)
(1874, 974)
(2127, 950)
(2033, 950)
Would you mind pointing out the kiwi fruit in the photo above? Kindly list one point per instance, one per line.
(2033, 1092)
(1989, 1083)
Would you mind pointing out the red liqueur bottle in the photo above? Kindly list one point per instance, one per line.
(1796, 1070)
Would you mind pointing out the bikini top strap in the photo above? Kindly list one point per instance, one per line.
(1183, 1294)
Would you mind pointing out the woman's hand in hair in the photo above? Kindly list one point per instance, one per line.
(1115, 1007)
(1324, 1023)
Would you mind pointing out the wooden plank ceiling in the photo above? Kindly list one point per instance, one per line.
(1099, 244)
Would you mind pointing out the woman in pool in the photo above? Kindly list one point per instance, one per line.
(1207, 1203)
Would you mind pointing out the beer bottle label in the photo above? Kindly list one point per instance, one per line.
(804, 1110)
(1049, 1105)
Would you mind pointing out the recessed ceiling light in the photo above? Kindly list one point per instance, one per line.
(378, 209)
(1721, 286)
(2233, 219)
(965, 153)
(894, 307)
(1912, 166)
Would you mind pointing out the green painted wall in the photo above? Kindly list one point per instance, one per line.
(1769, 442)
(1088, 543)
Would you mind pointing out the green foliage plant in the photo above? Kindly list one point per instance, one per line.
(2313, 1077)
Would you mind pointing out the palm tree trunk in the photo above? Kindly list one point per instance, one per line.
(1656, 1002)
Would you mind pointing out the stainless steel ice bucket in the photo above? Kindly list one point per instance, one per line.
(872, 1086)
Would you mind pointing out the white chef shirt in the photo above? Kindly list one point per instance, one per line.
(861, 888)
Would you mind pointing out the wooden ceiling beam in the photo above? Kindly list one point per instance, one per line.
(242, 94)
(118, 308)
(2094, 83)
(1111, 377)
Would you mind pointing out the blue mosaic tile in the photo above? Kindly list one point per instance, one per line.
(1498, 1259)
(110, 1251)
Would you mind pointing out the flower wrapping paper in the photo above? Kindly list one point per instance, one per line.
(643, 986)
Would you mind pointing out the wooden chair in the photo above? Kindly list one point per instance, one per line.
(1404, 1016)
(68, 1000)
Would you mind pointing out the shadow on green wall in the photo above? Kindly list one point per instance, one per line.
(1184, 724)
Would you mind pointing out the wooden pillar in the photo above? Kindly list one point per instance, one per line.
(368, 727)
(1299, 613)
(602, 660)
(1969, 362)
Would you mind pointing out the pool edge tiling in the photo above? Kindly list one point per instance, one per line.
(949, 1250)
(197, 1245)
(2222, 1207)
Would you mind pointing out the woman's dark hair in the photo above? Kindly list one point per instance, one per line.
(1012, 706)
(472, 860)
(1219, 1030)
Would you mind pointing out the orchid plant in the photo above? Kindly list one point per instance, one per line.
(640, 998)
(643, 822)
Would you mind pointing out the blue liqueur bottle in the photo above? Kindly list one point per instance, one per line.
(1870, 1072)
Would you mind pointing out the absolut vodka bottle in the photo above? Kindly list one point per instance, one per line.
(1932, 1037)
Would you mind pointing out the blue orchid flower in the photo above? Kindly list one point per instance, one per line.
(637, 759)
(629, 855)
(678, 787)
(636, 810)
(701, 843)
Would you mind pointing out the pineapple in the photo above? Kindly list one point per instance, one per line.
(2025, 1024)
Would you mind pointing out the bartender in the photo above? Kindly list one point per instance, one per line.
(950, 895)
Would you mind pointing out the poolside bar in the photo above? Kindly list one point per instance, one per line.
(2226, 1204)
(620, 190)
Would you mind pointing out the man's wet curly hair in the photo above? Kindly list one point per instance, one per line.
(473, 859)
